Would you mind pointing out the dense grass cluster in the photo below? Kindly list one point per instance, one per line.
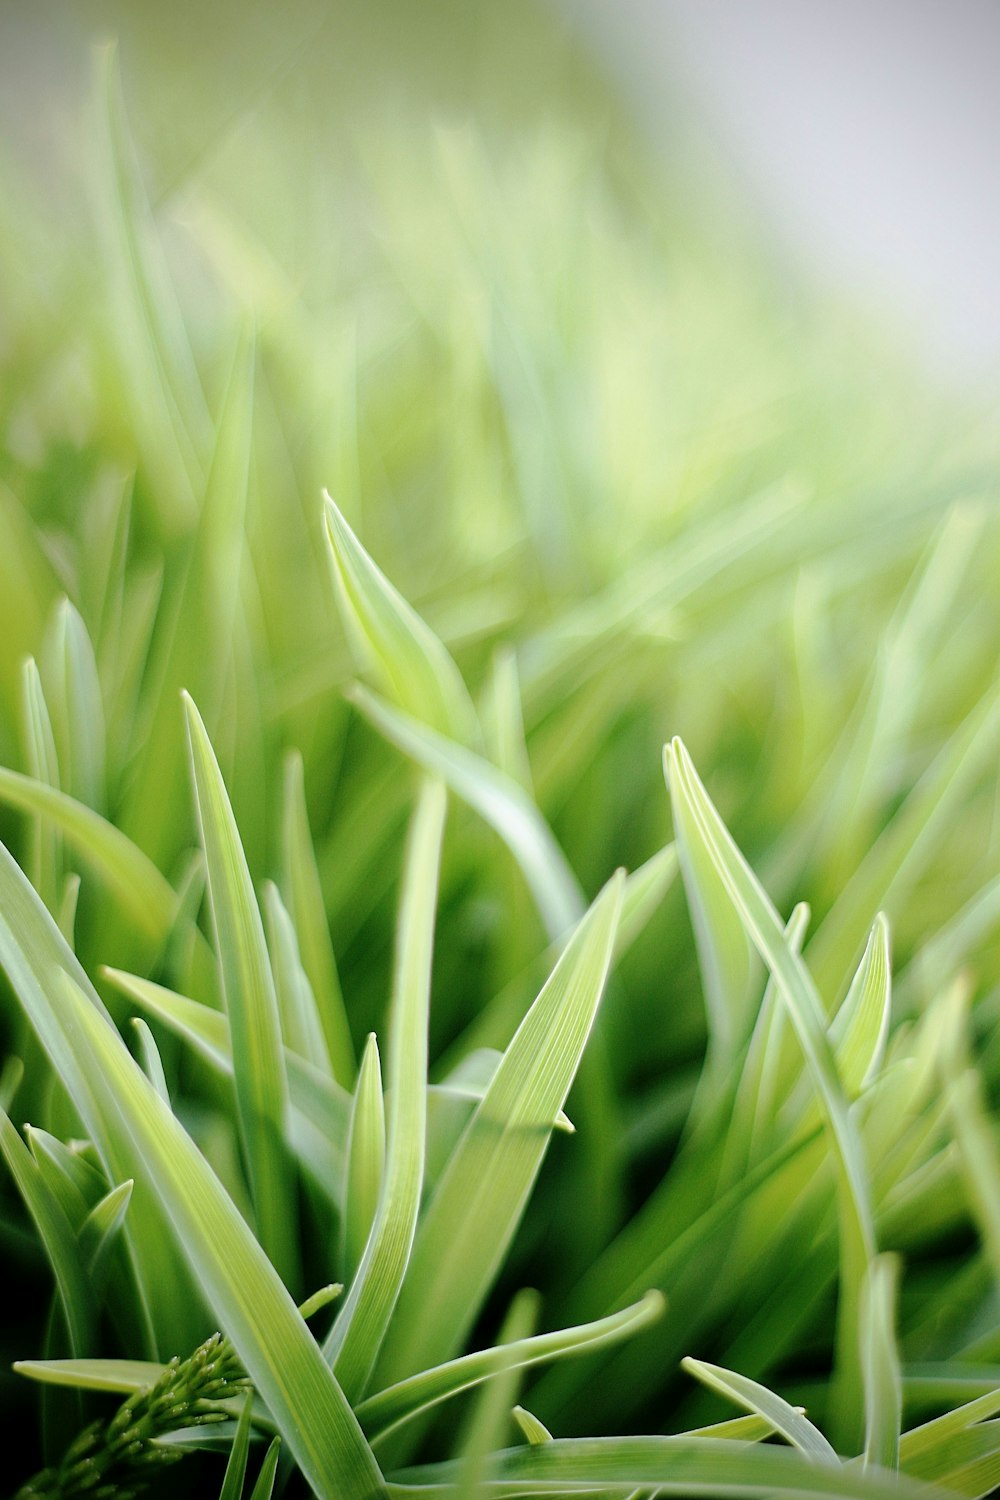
(383, 485)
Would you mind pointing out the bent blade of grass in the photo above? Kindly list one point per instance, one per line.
(668, 1465)
(883, 1384)
(242, 1286)
(497, 799)
(304, 895)
(805, 1011)
(393, 642)
(251, 1004)
(783, 1418)
(383, 1413)
(144, 893)
(365, 1159)
(357, 1335)
(479, 1200)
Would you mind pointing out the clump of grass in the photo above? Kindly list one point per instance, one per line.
(355, 804)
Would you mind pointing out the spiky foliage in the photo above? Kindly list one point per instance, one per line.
(284, 772)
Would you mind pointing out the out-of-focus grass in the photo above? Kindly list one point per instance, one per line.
(600, 477)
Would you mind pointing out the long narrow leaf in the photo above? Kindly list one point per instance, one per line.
(357, 1334)
(481, 1196)
(251, 1004)
(270, 1337)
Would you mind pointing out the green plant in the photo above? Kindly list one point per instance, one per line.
(766, 1160)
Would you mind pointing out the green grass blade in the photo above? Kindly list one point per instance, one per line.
(784, 1419)
(382, 1413)
(304, 896)
(236, 1464)
(391, 640)
(56, 1234)
(725, 955)
(503, 724)
(243, 1288)
(645, 889)
(906, 843)
(480, 1198)
(159, 380)
(534, 1431)
(251, 1005)
(930, 1435)
(805, 1011)
(112, 1376)
(152, 1063)
(670, 1466)
(73, 694)
(103, 1224)
(365, 1158)
(320, 1110)
(45, 858)
(137, 884)
(34, 954)
(265, 1479)
(489, 1420)
(300, 1022)
(357, 1334)
(497, 799)
(883, 1386)
(861, 1027)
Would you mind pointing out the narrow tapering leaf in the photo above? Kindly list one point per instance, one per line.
(270, 1337)
(365, 1158)
(403, 654)
(356, 1337)
(236, 1464)
(304, 896)
(300, 1021)
(883, 1385)
(251, 1004)
(785, 1419)
(382, 1413)
(481, 1196)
